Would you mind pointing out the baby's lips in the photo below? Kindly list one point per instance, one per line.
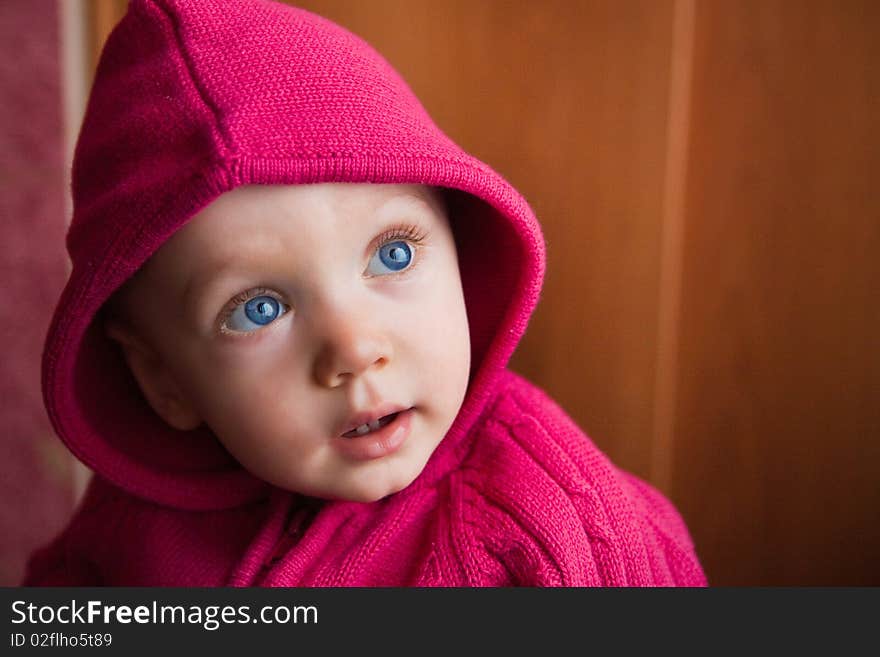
(379, 443)
(375, 425)
(358, 418)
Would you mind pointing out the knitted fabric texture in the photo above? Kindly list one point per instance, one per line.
(193, 98)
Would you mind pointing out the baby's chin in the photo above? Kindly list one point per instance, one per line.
(372, 491)
(364, 487)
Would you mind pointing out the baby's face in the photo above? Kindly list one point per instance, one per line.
(282, 316)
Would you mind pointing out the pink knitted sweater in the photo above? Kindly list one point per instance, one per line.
(193, 98)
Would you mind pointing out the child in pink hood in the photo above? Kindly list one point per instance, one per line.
(282, 348)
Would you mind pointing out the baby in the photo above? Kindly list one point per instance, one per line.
(282, 349)
(319, 330)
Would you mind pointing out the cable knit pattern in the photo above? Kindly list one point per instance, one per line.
(193, 98)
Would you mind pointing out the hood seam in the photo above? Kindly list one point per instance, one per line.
(225, 145)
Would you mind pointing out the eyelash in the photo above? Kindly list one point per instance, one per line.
(409, 232)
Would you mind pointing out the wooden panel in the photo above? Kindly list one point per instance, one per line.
(778, 420)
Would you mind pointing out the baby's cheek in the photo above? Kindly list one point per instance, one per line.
(238, 388)
(259, 424)
(443, 337)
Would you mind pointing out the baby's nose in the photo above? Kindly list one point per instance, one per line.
(349, 350)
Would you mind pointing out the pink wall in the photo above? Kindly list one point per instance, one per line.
(36, 484)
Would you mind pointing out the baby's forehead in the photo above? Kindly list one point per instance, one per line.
(262, 220)
(282, 207)
(307, 201)
(362, 196)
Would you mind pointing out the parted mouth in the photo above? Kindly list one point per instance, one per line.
(364, 429)
(364, 422)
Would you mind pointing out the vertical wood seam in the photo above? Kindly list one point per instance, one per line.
(671, 242)
(75, 46)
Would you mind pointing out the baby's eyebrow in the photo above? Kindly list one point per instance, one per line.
(219, 265)
(207, 276)
(401, 202)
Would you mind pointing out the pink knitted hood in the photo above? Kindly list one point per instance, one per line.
(193, 98)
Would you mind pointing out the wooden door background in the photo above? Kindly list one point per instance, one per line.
(706, 176)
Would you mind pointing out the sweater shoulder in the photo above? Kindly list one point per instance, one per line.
(527, 422)
(555, 510)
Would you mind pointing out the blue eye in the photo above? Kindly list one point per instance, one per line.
(254, 313)
(395, 256)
